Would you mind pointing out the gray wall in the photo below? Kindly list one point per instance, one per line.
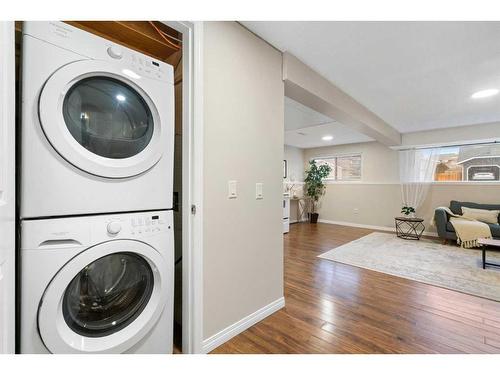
(243, 141)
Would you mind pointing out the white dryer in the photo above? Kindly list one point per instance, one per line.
(98, 284)
(97, 125)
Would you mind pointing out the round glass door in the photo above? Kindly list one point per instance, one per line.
(104, 122)
(105, 299)
(108, 294)
(108, 117)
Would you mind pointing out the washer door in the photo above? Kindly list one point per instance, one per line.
(100, 120)
(105, 299)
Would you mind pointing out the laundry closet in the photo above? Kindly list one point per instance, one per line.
(99, 177)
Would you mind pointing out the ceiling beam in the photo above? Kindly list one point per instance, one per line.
(311, 89)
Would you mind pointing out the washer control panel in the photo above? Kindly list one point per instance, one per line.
(82, 231)
(148, 224)
(137, 224)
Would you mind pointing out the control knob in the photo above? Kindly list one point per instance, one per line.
(114, 227)
(115, 52)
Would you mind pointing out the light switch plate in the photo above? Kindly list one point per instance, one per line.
(259, 190)
(232, 189)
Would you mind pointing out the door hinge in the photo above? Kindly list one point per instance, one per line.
(193, 209)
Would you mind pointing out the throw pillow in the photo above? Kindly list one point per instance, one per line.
(486, 216)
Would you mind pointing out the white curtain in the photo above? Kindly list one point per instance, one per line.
(416, 171)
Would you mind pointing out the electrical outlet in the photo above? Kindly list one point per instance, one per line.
(356, 211)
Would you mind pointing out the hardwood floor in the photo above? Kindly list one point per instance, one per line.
(336, 308)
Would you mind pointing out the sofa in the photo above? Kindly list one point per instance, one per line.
(445, 229)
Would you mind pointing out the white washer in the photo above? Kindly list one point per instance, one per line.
(97, 125)
(98, 284)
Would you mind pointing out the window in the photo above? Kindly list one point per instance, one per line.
(469, 163)
(344, 168)
(332, 162)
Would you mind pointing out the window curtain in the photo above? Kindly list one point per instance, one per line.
(416, 171)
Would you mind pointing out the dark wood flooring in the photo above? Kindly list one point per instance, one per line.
(336, 308)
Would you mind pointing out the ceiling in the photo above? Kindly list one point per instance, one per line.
(305, 127)
(414, 75)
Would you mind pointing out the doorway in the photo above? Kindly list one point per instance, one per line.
(173, 43)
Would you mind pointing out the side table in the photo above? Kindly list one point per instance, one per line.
(409, 228)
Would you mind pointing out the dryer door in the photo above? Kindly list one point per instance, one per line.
(100, 120)
(105, 299)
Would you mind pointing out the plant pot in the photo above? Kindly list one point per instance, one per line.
(313, 218)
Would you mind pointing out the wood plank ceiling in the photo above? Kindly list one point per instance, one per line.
(152, 38)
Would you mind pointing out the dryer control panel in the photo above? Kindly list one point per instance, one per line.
(132, 63)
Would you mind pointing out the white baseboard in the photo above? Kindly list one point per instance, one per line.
(234, 329)
(367, 226)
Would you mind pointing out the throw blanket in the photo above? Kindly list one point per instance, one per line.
(468, 230)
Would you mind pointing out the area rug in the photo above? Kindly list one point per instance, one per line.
(426, 261)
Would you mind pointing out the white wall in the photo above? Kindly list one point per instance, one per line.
(243, 141)
(376, 200)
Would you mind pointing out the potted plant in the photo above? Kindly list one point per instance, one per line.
(314, 186)
(408, 211)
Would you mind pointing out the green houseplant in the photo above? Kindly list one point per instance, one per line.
(408, 211)
(314, 186)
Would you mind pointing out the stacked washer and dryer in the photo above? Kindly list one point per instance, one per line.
(96, 180)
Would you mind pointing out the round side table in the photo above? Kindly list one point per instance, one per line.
(409, 228)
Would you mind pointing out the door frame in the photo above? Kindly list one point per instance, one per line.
(192, 184)
(7, 187)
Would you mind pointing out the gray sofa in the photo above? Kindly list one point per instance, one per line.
(445, 229)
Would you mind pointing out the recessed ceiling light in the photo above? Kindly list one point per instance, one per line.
(327, 137)
(484, 93)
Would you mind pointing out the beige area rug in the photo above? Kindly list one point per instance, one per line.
(426, 261)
